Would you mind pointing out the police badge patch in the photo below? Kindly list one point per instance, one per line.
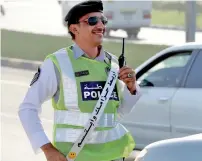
(107, 70)
(36, 77)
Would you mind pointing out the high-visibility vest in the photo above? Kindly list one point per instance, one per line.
(80, 84)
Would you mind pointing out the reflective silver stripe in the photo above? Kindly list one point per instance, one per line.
(71, 135)
(57, 73)
(68, 79)
(80, 119)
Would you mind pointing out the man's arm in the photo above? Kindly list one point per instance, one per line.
(128, 100)
(130, 90)
(43, 87)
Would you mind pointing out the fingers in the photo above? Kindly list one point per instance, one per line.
(126, 80)
(125, 76)
(124, 71)
(54, 155)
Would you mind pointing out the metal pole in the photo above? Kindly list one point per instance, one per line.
(190, 19)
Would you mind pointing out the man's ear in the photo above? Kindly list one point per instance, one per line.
(74, 29)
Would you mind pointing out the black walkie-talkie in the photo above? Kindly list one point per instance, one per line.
(122, 61)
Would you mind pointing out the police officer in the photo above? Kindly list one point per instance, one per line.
(74, 78)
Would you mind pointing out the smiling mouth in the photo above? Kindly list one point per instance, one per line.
(99, 33)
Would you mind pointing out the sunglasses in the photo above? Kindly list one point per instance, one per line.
(92, 21)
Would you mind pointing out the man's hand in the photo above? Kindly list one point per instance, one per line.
(127, 75)
(52, 154)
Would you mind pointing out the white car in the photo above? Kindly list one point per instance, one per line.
(171, 101)
(178, 149)
(127, 15)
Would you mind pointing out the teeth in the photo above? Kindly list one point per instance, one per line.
(97, 32)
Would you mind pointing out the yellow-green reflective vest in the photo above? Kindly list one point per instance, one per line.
(80, 84)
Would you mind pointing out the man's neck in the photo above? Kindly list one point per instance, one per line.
(91, 51)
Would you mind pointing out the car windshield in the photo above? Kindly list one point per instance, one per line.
(166, 73)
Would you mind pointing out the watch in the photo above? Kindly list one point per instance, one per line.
(134, 92)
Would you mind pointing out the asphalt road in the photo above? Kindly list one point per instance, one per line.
(14, 143)
(46, 18)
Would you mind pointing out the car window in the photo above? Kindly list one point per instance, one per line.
(166, 73)
(194, 79)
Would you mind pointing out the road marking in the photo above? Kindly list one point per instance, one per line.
(18, 83)
(16, 117)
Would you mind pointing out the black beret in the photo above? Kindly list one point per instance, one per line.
(81, 9)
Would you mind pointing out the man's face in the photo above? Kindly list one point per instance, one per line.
(91, 28)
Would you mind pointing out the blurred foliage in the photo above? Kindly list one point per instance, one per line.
(36, 47)
(174, 6)
(172, 13)
(173, 18)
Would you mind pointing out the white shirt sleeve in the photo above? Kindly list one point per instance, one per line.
(128, 101)
(42, 90)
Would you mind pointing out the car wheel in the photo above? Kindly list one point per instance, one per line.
(133, 33)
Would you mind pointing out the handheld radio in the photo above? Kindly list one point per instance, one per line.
(121, 59)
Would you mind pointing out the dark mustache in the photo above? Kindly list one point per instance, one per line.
(98, 30)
